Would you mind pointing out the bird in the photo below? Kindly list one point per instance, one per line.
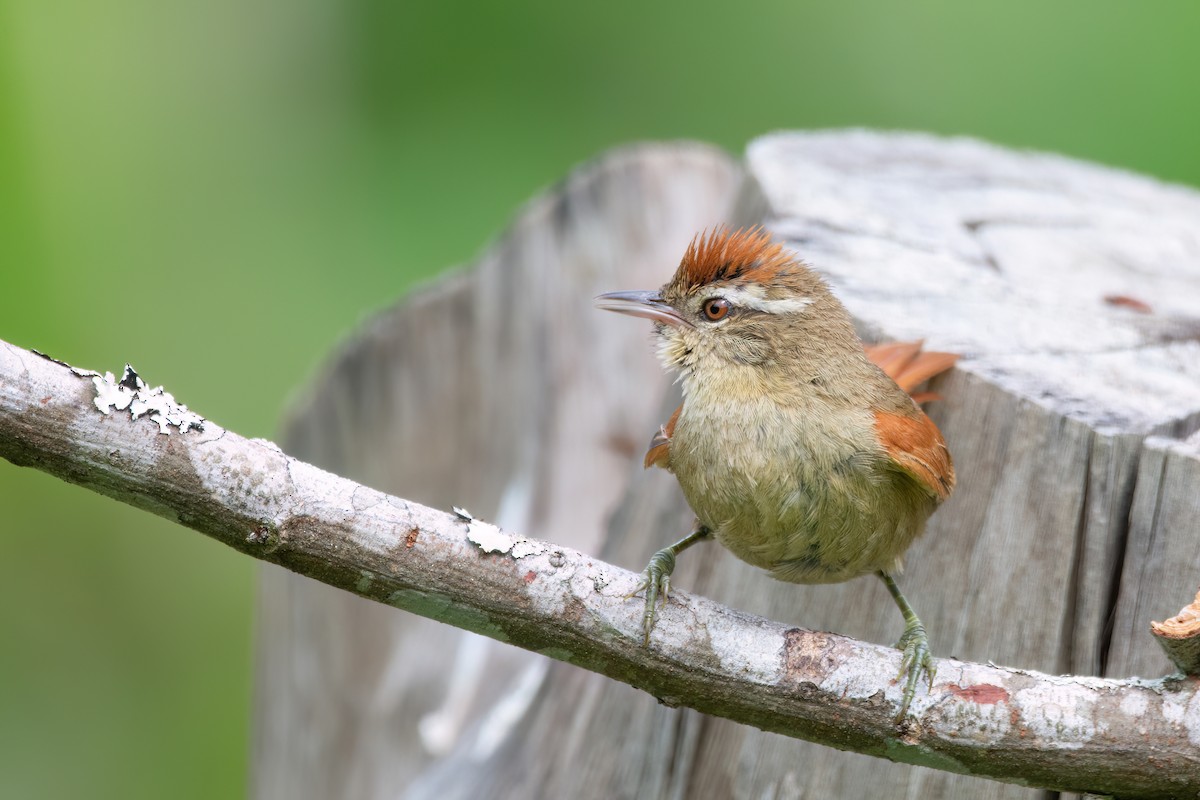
(794, 446)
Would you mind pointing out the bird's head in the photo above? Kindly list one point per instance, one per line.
(737, 300)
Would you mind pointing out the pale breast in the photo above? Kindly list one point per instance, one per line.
(796, 492)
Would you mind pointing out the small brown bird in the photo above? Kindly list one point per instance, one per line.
(795, 450)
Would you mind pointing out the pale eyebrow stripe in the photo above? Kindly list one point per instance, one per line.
(749, 298)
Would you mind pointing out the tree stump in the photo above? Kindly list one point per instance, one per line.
(1073, 294)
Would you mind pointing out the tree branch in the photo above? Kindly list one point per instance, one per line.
(1129, 738)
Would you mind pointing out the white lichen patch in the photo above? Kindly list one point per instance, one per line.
(131, 393)
(861, 678)
(1135, 704)
(978, 723)
(601, 579)
(1064, 713)
(523, 547)
(982, 713)
(493, 540)
(750, 653)
(110, 395)
(1183, 710)
(489, 538)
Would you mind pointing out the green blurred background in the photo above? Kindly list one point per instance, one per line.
(217, 191)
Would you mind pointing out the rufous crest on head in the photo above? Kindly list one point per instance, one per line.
(747, 254)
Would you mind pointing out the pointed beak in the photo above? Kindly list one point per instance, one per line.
(649, 305)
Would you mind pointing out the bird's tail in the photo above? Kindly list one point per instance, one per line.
(910, 366)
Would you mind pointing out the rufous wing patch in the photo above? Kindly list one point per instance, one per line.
(916, 446)
(659, 454)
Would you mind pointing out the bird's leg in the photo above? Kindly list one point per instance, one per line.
(657, 576)
(914, 645)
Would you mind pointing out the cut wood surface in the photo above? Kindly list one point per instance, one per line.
(1073, 293)
(1180, 637)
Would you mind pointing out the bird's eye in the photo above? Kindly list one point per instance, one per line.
(716, 309)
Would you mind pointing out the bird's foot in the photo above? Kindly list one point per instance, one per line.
(656, 581)
(915, 661)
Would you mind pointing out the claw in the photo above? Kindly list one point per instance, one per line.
(656, 580)
(916, 661)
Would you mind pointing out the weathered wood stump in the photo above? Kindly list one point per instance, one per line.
(1073, 293)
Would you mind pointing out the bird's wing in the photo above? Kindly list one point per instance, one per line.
(916, 446)
(903, 362)
(659, 454)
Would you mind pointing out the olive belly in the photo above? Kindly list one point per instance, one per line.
(819, 532)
